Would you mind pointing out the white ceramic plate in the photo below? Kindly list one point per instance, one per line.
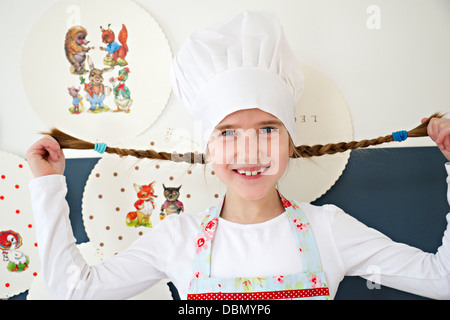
(110, 193)
(322, 117)
(47, 73)
(16, 220)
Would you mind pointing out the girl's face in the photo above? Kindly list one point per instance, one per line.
(249, 151)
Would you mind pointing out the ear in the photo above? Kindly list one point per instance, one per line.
(107, 69)
(291, 147)
(90, 63)
(291, 150)
(178, 189)
(137, 187)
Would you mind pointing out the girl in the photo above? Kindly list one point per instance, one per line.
(239, 78)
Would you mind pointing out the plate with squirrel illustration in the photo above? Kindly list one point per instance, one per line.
(125, 197)
(92, 256)
(20, 262)
(101, 71)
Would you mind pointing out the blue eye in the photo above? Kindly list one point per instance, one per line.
(267, 130)
(228, 132)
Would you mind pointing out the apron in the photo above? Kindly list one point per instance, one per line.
(311, 283)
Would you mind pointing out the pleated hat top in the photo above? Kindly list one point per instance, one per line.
(243, 63)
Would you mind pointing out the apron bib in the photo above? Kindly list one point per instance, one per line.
(311, 283)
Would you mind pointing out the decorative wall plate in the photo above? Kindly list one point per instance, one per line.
(19, 263)
(322, 117)
(102, 70)
(92, 256)
(125, 198)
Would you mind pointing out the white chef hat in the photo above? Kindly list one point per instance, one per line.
(243, 63)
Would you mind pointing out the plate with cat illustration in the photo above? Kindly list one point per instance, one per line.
(125, 197)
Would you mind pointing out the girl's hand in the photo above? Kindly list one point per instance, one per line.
(439, 131)
(45, 157)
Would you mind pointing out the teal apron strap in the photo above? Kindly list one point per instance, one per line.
(202, 256)
(305, 237)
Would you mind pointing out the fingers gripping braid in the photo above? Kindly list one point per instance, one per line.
(68, 142)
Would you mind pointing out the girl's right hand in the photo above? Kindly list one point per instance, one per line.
(45, 157)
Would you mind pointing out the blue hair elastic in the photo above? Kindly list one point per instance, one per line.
(400, 136)
(100, 147)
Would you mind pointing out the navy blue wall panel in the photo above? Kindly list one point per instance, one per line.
(398, 191)
(401, 192)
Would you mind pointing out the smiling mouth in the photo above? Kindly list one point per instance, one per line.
(250, 171)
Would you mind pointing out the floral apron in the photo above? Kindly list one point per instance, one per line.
(309, 284)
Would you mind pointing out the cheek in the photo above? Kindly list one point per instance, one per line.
(276, 153)
(221, 172)
(274, 146)
(284, 152)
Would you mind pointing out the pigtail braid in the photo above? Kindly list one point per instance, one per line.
(332, 148)
(68, 142)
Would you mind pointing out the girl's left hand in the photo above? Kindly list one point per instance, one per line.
(439, 131)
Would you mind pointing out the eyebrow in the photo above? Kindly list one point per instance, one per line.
(259, 124)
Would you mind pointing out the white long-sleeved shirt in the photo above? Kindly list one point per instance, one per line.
(346, 247)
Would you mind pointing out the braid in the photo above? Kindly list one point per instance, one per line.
(68, 142)
(332, 148)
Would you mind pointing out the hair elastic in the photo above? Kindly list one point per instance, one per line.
(100, 147)
(400, 136)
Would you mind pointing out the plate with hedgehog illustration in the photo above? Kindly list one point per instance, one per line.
(100, 72)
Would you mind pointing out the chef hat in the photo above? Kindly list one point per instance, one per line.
(243, 63)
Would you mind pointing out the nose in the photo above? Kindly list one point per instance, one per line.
(247, 148)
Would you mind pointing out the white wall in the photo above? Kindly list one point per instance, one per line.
(390, 76)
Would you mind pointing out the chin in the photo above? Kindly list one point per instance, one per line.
(253, 193)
